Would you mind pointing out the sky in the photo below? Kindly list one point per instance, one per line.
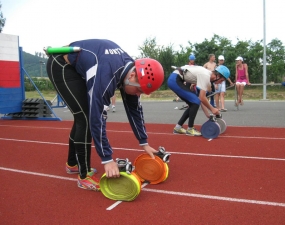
(129, 23)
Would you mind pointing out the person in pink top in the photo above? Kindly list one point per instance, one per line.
(242, 78)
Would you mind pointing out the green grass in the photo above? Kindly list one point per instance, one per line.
(48, 95)
(250, 93)
(256, 93)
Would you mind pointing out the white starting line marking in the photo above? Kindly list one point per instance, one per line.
(119, 202)
(212, 197)
(114, 205)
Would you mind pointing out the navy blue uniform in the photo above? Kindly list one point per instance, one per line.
(86, 83)
(104, 65)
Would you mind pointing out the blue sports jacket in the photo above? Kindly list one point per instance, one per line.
(104, 65)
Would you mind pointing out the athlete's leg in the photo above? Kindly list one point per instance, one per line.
(223, 100)
(175, 83)
(217, 100)
(72, 89)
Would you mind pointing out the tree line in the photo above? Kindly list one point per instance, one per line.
(2, 19)
(252, 53)
(35, 65)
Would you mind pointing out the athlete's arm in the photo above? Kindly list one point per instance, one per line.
(205, 102)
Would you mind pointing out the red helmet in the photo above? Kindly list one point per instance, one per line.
(150, 74)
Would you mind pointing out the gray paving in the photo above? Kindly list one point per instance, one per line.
(252, 113)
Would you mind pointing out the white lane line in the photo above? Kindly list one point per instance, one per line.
(155, 133)
(185, 194)
(244, 137)
(228, 156)
(208, 155)
(119, 202)
(177, 153)
(31, 141)
(40, 127)
(38, 174)
(256, 202)
(114, 205)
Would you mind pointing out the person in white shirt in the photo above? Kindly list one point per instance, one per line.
(202, 79)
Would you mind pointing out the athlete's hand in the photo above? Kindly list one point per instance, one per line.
(192, 87)
(149, 150)
(215, 111)
(112, 170)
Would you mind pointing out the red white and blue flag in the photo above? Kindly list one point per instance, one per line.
(9, 61)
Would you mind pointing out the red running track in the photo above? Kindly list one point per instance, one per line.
(238, 178)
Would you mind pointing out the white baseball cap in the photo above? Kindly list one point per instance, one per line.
(221, 57)
(239, 58)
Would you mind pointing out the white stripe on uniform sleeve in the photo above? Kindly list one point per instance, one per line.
(91, 72)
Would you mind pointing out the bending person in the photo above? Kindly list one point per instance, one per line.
(202, 78)
(86, 81)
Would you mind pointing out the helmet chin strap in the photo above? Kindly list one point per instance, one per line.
(127, 79)
(217, 79)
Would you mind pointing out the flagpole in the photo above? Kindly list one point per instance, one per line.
(264, 52)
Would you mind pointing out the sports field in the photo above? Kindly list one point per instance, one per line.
(237, 178)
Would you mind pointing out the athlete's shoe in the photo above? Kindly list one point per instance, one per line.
(192, 132)
(113, 108)
(74, 169)
(89, 183)
(180, 130)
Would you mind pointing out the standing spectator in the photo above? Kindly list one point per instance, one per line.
(192, 59)
(211, 65)
(221, 89)
(113, 103)
(242, 78)
(191, 62)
